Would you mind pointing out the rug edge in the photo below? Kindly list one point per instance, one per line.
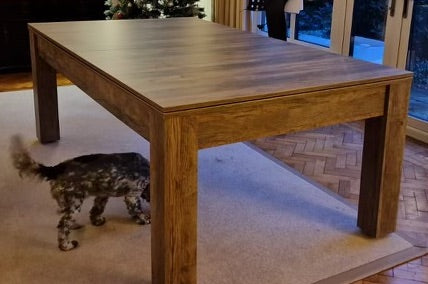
(365, 270)
(374, 267)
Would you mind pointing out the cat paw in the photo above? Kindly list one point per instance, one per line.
(66, 246)
(99, 221)
(143, 219)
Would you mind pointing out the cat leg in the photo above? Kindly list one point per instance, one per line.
(73, 223)
(67, 223)
(97, 210)
(133, 204)
(77, 206)
(60, 195)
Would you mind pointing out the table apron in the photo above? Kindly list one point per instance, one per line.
(119, 101)
(229, 123)
(245, 121)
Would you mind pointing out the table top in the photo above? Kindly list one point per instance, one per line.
(186, 63)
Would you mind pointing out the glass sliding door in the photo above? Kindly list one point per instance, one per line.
(375, 31)
(319, 24)
(416, 60)
(389, 32)
(313, 24)
(395, 33)
(368, 30)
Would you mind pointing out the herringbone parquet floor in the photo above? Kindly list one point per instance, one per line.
(331, 156)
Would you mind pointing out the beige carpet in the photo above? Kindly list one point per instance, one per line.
(258, 222)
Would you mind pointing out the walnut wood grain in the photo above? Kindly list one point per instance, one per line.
(113, 96)
(162, 63)
(185, 84)
(262, 118)
(384, 139)
(45, 96)
(174, 200)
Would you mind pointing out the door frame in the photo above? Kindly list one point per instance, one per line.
(338, 19)
(396, 43)
(396, 49)
(416, 128)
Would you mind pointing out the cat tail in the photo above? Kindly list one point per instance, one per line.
(22, 160)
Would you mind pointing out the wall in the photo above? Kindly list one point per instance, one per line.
(15, 14)
(207, 5)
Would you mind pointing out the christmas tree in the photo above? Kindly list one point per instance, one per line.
(146, 9)
(132, 9)
(181, 8)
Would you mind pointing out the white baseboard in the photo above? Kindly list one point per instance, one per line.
(417, 134)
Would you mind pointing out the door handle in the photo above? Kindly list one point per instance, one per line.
(405, 8)
(392, 8)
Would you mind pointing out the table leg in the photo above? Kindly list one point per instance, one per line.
(45, 95)
(174, 200)
(384, 141)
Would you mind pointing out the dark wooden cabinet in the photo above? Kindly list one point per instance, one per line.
(15, 14)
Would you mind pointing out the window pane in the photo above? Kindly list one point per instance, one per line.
(313, 24)
(368, 30)
(417, 60)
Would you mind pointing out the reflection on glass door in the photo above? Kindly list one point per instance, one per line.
(417, 61)
(368, 30)
(313, 24)
(395, 33)
(319, 24)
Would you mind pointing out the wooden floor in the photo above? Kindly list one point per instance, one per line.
(332, 157)
(21, 81)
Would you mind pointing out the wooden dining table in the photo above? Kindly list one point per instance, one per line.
(186, 84)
